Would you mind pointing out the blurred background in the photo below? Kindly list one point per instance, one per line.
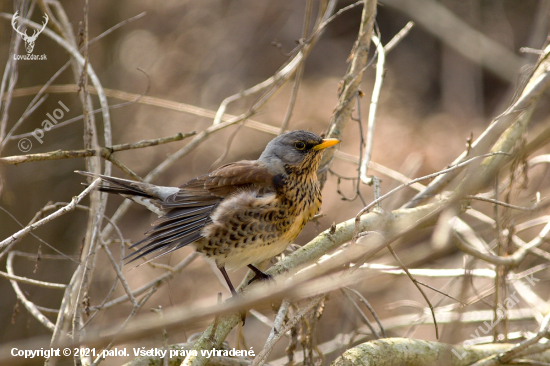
(439, 88)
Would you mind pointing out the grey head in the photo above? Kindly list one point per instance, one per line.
(293, 149)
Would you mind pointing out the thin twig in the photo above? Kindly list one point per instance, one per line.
(513, 259)
(351, 81)
(376, 201)
(299, 71)
(42, 89)
(128, 318)
(30, 306)
(356, 180)
(167, 276)
(261, 357)
(34, 219)
(363, 316)
(120, 276)
(104, 152)
(500, 203)
(10, 76)
(537, 84)
(373, 107)
(404, 268)
(371, 309)
(278, 322)
(59, 286)
(141, 99)
(56, 214)
(398, 37)
(518, 349)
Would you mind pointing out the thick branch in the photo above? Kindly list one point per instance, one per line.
(403, 351)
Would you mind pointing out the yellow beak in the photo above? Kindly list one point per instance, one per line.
(326, 143)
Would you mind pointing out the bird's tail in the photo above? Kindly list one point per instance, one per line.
(129, 188)
(166, 236)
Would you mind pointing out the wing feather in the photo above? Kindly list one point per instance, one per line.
(189, 209)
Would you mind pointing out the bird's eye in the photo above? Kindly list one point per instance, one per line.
(300, 145)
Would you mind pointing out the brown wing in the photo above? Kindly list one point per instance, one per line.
(189, 209)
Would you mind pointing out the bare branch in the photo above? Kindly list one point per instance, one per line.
(519, 111)
(373, 107)
(56, 214)
(104, 152)
(261, 357)
(31, 307)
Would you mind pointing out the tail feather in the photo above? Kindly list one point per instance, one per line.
(166, 249)
(120, 191)
(132, 188)
(179, 224)
(166, 246)
(167, 224)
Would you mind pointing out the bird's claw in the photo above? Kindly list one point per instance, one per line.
(260, 276)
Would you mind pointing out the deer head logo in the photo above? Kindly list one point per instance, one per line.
(29, 41)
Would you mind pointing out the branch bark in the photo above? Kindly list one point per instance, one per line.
(404, 351)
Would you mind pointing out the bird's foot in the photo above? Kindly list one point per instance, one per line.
(234, 294)
(259, 275)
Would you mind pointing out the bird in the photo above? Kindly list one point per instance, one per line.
(238, 215)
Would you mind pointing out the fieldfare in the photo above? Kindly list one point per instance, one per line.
(241, 213)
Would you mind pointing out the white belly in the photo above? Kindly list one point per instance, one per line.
(254, 254)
